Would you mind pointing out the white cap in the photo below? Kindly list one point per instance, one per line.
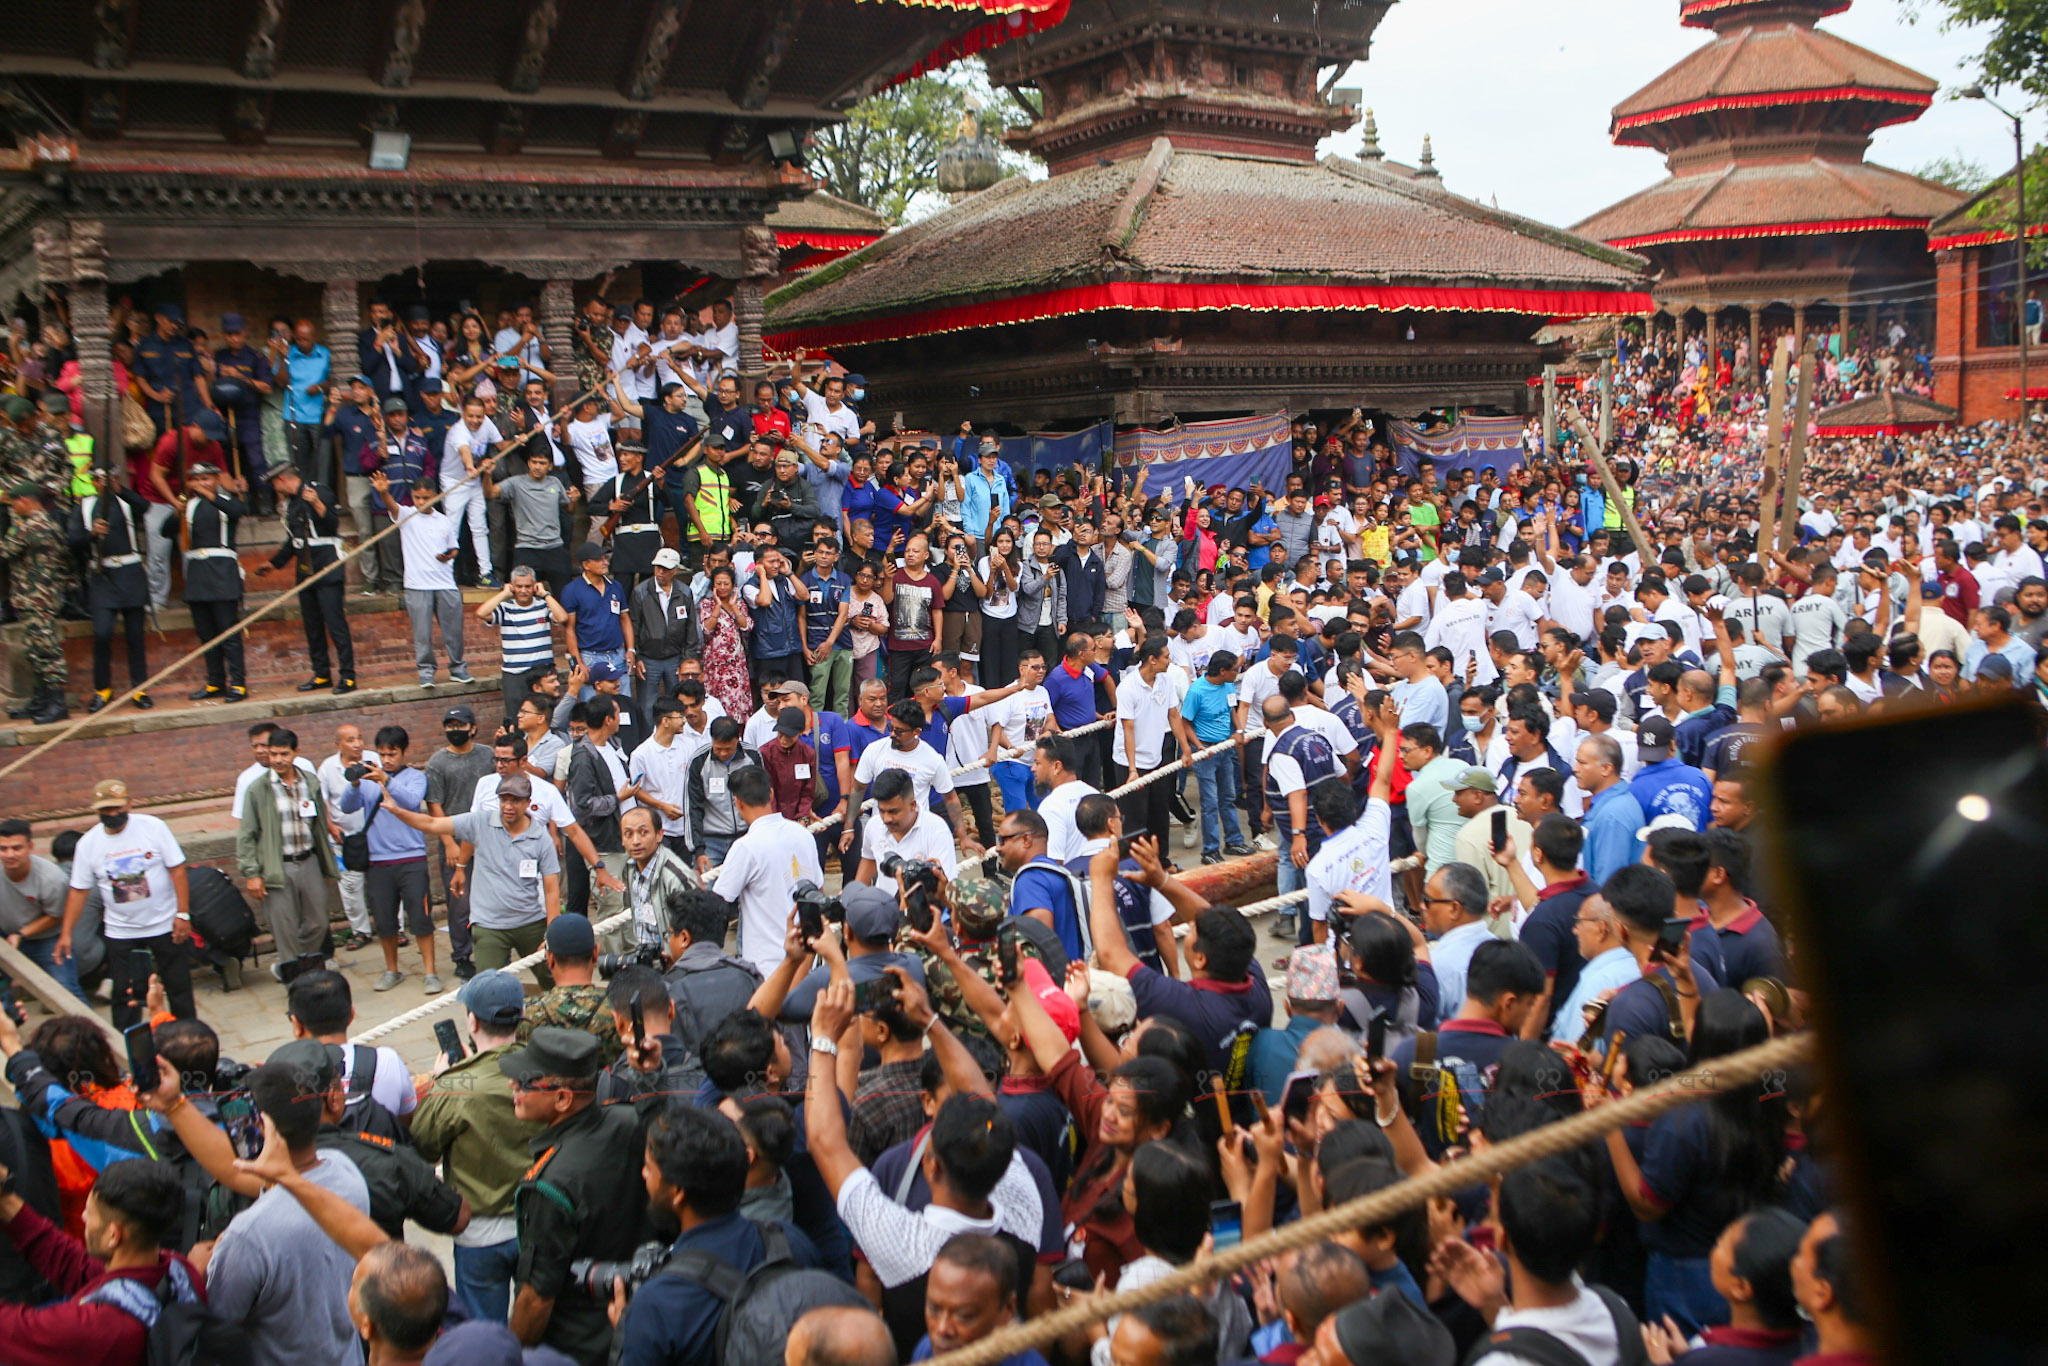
(1668, 821)
(667, 558)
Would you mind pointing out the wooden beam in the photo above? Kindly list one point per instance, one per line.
(113, 33)
(657, 45)
(1598, 456)
(1774, 442)
(259, 54)
(534, 41)
(1795, 459)
(754, 75)
(44, 988)
(408, 27)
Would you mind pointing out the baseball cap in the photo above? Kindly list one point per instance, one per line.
(109, 792)
(232, 322)
(1052, 997)
(1049, 501)
(171, 311)
(1393, 1328)
(591, 550)
(56, 402)
(494, 997)
(1654, 739)
(393, 405)
(979, 906)
(323, 1060)
(666, 558)
(462, 714)
(1670, 820)
(362, 379)
(790, 721)
(27, 488)
(1312, 974)
(871, 913)
(603, 669)
(570, 936)
(15, 407)
(1112, 1002)
(200, 469)
(553, 1051)
(1473, 779)
(517, 786)
(430, 386)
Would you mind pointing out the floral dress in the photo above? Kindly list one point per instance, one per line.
(725, 655)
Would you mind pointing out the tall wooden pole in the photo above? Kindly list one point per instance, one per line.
(1597, 453)
(1550, 410)
(1795, 459)
(1606, 401)
(1774, 444)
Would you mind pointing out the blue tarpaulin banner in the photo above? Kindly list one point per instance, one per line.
(1055, 451)
(1469, 444)
(1231, 452)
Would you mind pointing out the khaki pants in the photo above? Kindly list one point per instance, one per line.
(496, 948)
(605, 903)
(297, 909)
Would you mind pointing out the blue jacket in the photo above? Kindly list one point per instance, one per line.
(1612, 819)
(1672, 787)
(391, 840)
(1087, 587)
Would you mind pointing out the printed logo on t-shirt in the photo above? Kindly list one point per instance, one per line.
(128, 877)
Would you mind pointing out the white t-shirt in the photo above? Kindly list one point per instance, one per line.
(1022, 716)
(390, 1082)
(592, 442)
(927, 769)
(1571, 606)
(1352, 860)
(426, 536)
(484, 437)
(1063, 837)
(1518, 612)
(132, 869)
(1257, 683)
(249, 775)
(1147, 707)
(967, 741)
(844, 423)
(759, 870)
(1326, 724)
(930, 838)
(1221, 610)
(1584, 1325)
(332, 785)
(1001, 602)
(548, 806)
(664, 770)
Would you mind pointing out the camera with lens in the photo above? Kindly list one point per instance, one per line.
(919, 879)
(645, 954)
(596, 1276)
(814, 907)
(354, 772)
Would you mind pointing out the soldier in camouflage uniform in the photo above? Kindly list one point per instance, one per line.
(49, 465)
(980, 910)
(574, 1001)
(37, 564)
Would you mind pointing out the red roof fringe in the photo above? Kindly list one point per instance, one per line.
(1768, 230)
(1147, 296)
(1036, 16)
(1913, 100)
(1983, 239)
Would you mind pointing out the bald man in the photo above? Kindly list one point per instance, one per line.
(838, 1335)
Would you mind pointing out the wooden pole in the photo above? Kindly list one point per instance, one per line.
(1550, 410)
(1795, 458)
(1606, 401)
(1598, 455)
(1774, 444)
(44, 988)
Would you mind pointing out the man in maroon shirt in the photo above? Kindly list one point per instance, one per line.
(792, 766)
(132, 1209)
(1958, 584)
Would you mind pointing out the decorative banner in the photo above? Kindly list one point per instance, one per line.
(1028, 454)
(1232, 451)
(1470, 444)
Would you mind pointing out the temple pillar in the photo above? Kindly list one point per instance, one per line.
(1678, 330)
(1798, 329)
(341, 317)
(759, 259)
(558, 326)
(1713, 340)
(1756, 355)
(1843, 318)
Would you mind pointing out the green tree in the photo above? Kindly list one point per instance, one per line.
(886, 154)
(1956, 171)
(2015, 38)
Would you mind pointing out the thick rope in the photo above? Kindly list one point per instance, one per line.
(446, 999)
(1721, 1074)
(242, 624)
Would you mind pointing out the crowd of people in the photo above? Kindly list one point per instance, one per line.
(1014, 1054)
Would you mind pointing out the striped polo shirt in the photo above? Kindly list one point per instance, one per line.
(525, 636)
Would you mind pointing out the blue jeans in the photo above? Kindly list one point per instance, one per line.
(1020, 793)
(716, 846)
(42, 951)
(615, 658)
(483, 1279)
(1288, 878)
(1216, 779)
(1682, 1287)
(661, 681)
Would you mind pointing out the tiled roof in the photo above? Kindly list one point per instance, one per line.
(821, 212)
(1873, 410)
(1773, 58)
(1990, 211)
(1777, 194)
(1207, 218)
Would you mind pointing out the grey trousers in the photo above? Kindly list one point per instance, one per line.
(297, 911)
(383, 568)
(352, 903)
(425, 606)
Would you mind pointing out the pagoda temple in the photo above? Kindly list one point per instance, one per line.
(1769, 202)
(279, 157)
(1190, 255)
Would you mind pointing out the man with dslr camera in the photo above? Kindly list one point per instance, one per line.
(902, 828)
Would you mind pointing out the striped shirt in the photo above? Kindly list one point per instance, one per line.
(295, 830)
(526, 638)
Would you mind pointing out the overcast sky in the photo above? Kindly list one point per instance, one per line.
(1516, 94)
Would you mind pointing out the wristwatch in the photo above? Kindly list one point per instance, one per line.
(825, 1046)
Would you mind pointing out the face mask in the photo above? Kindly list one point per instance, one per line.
(1474, 724)
(113, 820)
(858, 394)
(457, 737)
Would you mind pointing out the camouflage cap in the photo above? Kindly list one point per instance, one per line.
(15, 407)
(979, 907)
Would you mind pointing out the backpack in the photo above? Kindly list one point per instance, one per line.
(181, 1331)
(221, 917)
(762, 1305)
(364, 1114)
(1535, 1345)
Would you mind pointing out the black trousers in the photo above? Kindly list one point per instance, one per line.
(1046, 641)
(1000, 644)
(902, 664)
(1150, 808)
(322, 608)
(103, 646)
(975, 796)
(173, 969)
(223, 661)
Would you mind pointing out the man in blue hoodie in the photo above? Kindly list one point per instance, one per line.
(397, 877)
